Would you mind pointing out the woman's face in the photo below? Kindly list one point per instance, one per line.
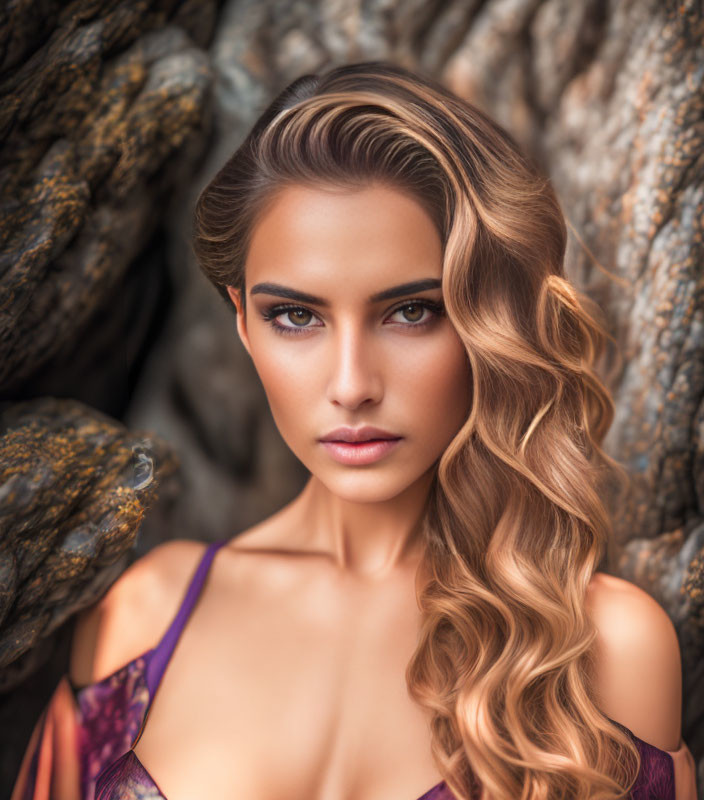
(340, 338)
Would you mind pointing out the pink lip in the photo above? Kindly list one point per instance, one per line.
(360, 452)
(363, 434)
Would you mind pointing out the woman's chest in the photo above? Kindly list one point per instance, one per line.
(290, 711)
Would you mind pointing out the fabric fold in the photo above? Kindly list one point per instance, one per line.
(685, 772)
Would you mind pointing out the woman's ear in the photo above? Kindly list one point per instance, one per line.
(236, 298)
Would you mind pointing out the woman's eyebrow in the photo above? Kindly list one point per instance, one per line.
(387, 294)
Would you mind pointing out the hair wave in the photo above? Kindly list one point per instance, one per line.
(514, 524)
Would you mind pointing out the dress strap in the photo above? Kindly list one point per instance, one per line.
(162, 652)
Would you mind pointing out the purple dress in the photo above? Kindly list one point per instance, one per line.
(102, 722)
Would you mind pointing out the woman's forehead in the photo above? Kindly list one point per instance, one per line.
(371, 238)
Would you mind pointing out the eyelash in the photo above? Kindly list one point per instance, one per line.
(270, 314)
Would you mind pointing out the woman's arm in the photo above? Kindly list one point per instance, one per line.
(50, 768)
(639, 676)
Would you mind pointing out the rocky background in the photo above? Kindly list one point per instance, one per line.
(129, 411)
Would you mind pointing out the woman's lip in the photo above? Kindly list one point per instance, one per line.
(360, 452)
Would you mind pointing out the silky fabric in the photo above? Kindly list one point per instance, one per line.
(82, 746)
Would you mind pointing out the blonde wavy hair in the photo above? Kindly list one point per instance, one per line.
(514, 524)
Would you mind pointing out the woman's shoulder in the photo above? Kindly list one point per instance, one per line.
(639, 668)
(626, 614)
(133, 614)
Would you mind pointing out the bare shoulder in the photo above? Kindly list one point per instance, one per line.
(639, 667)
(134, 613)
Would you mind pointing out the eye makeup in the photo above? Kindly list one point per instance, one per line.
(270, 314)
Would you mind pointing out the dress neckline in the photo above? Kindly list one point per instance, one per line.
(430, 794)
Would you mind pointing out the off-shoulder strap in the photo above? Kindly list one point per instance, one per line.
(162, 652)
(685, 772)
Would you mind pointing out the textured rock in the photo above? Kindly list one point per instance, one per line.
(74, 487)
(89, 124)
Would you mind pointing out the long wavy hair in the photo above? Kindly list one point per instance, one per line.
(514, 524)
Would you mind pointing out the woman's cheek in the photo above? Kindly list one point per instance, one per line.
(446, 391)
(291, 389)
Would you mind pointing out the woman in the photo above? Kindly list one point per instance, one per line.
(428, 616)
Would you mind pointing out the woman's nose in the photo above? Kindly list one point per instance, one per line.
(355, 376)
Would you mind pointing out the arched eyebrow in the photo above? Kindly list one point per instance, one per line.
(401, 290)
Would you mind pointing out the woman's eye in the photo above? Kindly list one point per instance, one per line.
(417, 311)
(298, 315)
(414, 313)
